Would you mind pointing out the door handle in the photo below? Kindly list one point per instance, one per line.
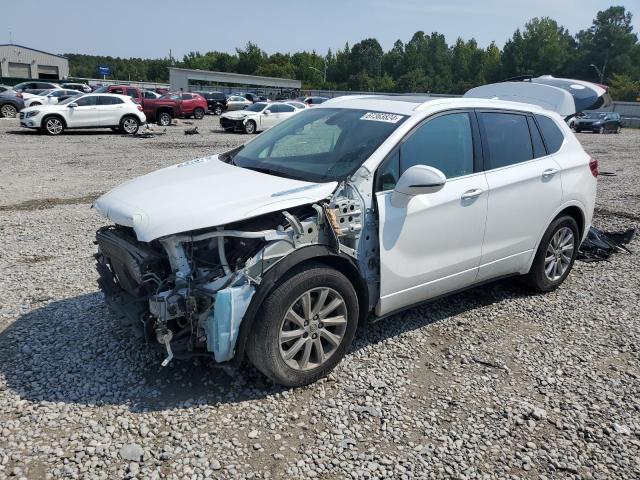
(549, 172)
(471, 194)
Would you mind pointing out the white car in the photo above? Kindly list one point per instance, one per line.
(348, 211)
(50, 97)
(104, 110)
(257, 117)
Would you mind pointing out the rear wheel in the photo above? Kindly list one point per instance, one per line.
(555, 256)
(8, 111)
(305, 326)
(198, 113)
(130, 125)
(53, 125)
(618, 129)
(250, 127)
(164, 119)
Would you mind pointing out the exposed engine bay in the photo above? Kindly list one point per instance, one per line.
(188, 293)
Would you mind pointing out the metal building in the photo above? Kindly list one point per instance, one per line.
(180, 78)
(24, 62)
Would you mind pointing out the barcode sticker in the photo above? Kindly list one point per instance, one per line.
(382, 117)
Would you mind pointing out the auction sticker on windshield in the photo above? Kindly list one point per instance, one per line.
(382, 117)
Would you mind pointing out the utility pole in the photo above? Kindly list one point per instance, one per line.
(600, 72)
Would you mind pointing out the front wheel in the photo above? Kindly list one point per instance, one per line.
(53, 126)
(555, 255)
(129, 125)
(619, 129)
(164, 119)
(198, 114)
(217, 110)
(250, 127)
(305, 326)
(601, 130)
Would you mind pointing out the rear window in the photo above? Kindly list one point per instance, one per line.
(552, 135)
(508, 138)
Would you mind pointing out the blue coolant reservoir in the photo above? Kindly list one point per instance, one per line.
(223, 324)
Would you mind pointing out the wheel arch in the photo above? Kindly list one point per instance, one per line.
(291, 264)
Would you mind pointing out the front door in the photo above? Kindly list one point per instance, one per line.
(433, 244)
(525, 189)
(85, 114)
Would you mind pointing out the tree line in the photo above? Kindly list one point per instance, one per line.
(608, 52)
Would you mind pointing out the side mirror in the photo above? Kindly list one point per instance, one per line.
(267, 112)
(72, 105)
(417, 180)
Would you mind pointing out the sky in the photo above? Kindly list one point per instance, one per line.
(150, 28)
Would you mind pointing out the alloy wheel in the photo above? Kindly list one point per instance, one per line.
(313, 328)
(54, 126)
(130, 125)
(8, 111)
(559, 254)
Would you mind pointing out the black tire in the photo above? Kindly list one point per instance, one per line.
(601, 130)
(578, 130)
(8, 111)
(619, 129)
(217, 110)
(52, 125)
(129, 125)
(250, 127)
(164, 119)
(537, 278)
(198, 113)
(264, 347)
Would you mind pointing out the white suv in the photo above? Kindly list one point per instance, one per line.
(104, 110)
(352, 210)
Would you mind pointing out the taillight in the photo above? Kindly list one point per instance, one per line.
(593, 166)
(139, 107)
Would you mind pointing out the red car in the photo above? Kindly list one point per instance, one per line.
(164, 109)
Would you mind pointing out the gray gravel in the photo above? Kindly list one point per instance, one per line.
(491, 383)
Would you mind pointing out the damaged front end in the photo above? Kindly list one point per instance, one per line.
(188, 293)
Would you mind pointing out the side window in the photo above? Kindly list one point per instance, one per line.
(445, 143)
(147, 94)
(508, 138)
(552, 135)
(389, 172)
(536, 139)
(58, 93)
(87, 101)
(286, 108)
(105, 100)
(119, 91)
(274, 108)
(132, 92)
(186, 96)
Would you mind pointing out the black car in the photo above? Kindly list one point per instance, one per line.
(217, 101)
(10, 104)
(599, 122)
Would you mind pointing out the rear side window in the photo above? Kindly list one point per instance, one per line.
(286, 108)
(552, 135)
(445, 143)
(536, 139)
(507, 137)
(105, 100)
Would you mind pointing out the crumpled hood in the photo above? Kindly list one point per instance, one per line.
(202, 193)
(236, 114)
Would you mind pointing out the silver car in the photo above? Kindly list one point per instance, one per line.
(235, 102)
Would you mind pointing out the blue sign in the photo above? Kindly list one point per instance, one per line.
(104, 70)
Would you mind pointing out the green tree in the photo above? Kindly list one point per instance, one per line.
(624, 88)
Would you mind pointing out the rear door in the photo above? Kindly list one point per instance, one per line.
(111, 110)
(525, 189)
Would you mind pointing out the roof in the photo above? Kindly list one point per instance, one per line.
(32, 49)
(412, 105)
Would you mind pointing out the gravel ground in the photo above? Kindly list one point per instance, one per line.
(491, 383)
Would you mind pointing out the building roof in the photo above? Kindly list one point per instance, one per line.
(32, 49)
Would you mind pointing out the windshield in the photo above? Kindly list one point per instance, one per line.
(319, 145)
(101, 89)
(256, 107)
(73, 98)
(595, 115)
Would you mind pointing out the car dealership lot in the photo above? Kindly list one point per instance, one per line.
(493, 381)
